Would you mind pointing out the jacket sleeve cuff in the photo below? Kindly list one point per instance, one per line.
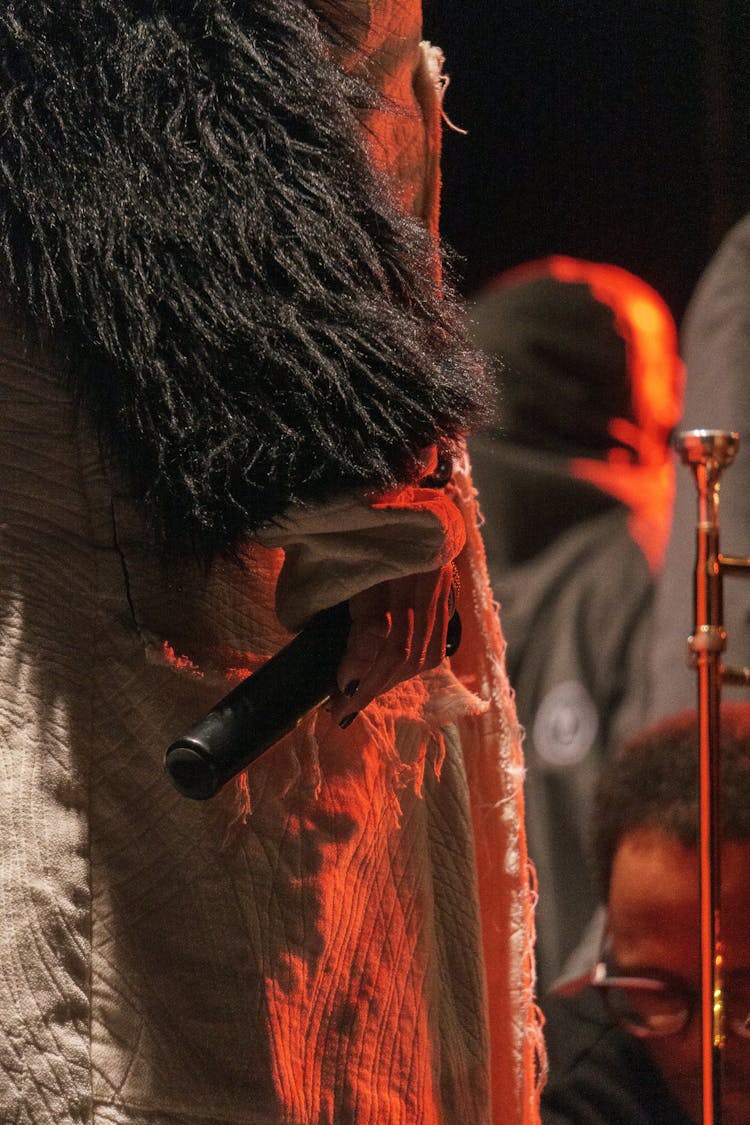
(337, 550)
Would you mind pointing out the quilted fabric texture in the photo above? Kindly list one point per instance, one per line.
(316, 960)
(309, 946)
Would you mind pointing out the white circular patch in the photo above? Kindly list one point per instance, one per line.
(565, 724)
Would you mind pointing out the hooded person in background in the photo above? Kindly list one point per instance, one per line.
(576, 486)
(227, 363)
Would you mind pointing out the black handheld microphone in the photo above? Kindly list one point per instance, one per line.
(267, 705)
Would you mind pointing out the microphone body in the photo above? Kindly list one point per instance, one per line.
(261, 709)
(267, 705)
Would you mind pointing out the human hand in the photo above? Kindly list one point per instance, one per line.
(399, 628)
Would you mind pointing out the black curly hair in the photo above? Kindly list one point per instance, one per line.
(653, 782)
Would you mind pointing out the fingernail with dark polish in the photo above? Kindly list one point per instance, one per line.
(348, 720)
(351, 688)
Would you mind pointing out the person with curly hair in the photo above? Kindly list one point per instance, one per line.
(625, 1041)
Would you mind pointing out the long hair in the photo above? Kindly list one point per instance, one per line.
(186, 201)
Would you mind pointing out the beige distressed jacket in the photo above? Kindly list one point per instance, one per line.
(308, 948)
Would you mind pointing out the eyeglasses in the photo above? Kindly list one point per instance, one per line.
(651, 1007)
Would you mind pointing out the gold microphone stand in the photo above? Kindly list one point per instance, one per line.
(708, 453)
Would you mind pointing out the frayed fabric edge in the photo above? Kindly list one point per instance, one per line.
(405, 727)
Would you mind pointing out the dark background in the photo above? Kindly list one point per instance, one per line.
(616, 130)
